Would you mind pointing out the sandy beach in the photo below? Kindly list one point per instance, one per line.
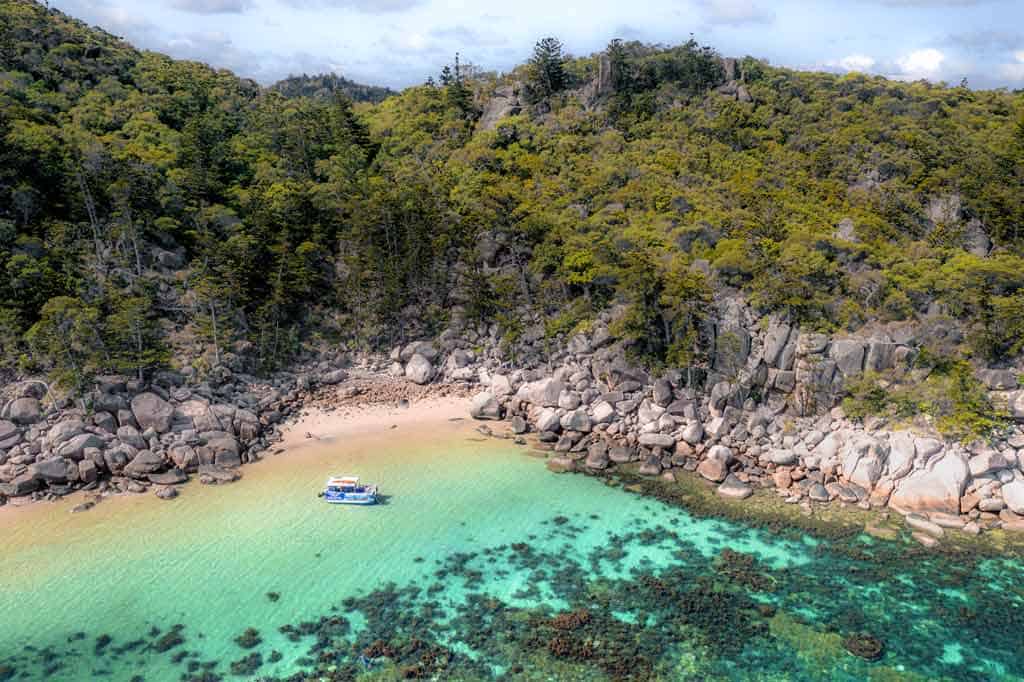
(368, 421)
(320, 430)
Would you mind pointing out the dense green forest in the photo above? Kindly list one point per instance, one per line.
(328, 86)
(153, 209)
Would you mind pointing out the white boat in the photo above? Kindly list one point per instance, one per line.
(348, 490)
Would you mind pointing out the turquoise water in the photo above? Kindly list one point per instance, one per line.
(480, 565)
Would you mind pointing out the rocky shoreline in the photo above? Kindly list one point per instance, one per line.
(808, 462)
(134, 437)
(765, 415)
(594, 412)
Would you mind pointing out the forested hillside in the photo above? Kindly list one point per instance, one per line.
(155, 211)
(328, 86)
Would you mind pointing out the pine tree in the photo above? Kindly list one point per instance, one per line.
(459, 94)
(547, 69)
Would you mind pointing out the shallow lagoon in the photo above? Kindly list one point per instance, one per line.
(481, 564)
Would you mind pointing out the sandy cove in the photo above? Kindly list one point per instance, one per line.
(330, 420)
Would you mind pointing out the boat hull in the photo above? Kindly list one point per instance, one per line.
(365, 501)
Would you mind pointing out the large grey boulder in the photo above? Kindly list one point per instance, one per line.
(184, 457)
(620, 454)
(333, 378)
(9, 434)
(485, 406)
(247, 425)
(659, 440)
(542, 393)
(21, 485)
(715, 466)
(936, 488)
(848, 355)
(87, 471)
(693, 433)
(548, 420)
(1013, 495)
(1016, 405)
(550, 392)
(569, 400)
(881, 356)
(55, 470)
(577, 420)
(901, 454)
(781, 456)
(713, 470)
(25, 411)
(774, 342)
(649, 412)
(602, 413)
(116, 459)
(199, 413)
(64, 430)
(500, 386)
(226, 452)
(144, 463)
(131, 436)
(662, 392)
(75, 448)
(597, 456)
(419, 370)
(998, 379)
(986, 462)
(864, 460)
(424, 348)
(152, 412)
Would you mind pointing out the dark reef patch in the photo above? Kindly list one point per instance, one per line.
(651, 600)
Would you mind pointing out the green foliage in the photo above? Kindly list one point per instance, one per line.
(328, 86)
(547, 74)
(299, 214)
(949, 397)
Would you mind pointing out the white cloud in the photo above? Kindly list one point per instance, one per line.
(926, 63)
(736, 12)
(932, 3)
(1014, 71)
(367, 6)
(855, 62)
(211, 6)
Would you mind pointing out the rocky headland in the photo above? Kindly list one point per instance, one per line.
(768, 415)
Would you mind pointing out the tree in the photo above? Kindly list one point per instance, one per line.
(133, 333)
(547, 69)
(459, 95)
(67, 340)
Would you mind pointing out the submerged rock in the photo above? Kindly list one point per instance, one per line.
(734, 488)
(868, 647)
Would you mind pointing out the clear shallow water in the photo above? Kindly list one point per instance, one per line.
(480, 565)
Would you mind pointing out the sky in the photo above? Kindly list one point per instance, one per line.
(401, 42)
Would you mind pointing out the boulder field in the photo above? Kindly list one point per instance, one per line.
(821, 459)
(128, 436)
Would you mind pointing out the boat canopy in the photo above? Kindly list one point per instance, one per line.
(343, 481)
